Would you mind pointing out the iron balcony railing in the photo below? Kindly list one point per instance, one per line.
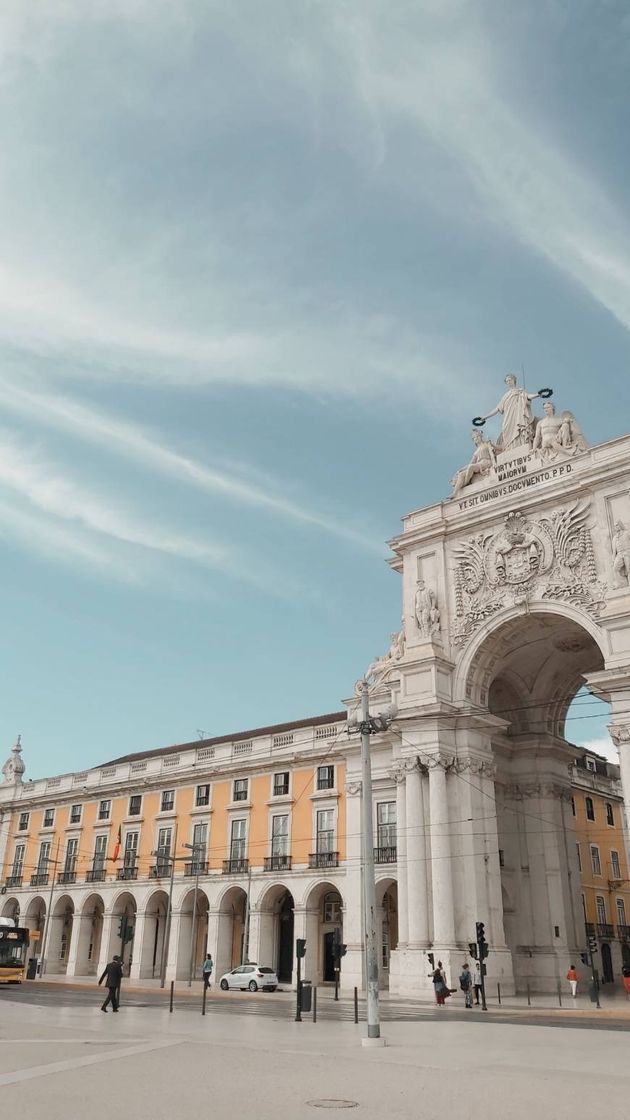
(235, 866)
(95, 875)
(67, 877)
(385, 855)
(323, 859)
(196, 867)
(128, 872)
(623, 932)
(277, 863)
(605, 929)
(161, 870)
(40, 879)
(14, 881)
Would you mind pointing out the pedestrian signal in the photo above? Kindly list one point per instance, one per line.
(300, 947)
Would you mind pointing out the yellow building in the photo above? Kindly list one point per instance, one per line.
(597, 807)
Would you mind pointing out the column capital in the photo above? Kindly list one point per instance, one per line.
(619, 733)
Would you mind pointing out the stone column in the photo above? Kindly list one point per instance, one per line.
(173, 945)
(416, 860)
(73, 947)
(138, 942)
(106, 936)
(401, 857)
(441, 870)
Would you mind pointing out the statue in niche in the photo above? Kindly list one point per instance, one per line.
(483, 461)
(621, 554)
(557, 436)
(515, 407)
(427, 611)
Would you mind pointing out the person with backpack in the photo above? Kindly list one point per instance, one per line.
(208, 965)
(466, 984)
(440, 987)
(572, 977)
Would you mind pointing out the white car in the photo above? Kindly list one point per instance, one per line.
(249, 977)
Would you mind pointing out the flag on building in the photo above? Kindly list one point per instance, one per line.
(118, 843)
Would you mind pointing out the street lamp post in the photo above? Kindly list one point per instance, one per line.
(366, 726)
(194, 848)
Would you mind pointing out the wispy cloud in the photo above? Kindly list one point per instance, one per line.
(39, 481)
(135, 443)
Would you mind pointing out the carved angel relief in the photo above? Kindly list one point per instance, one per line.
(552, 556)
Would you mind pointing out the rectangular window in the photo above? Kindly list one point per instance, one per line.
(595, 860)
(280, 835)
(281, 784)
(590, 808)
(104, 810)
(386, 824)
(75, 814)
(615, 866)
(579, 856)
(200, 846)
(573, 805)
(72, 851)
(167, 803)
(601, 909)
(202, 796)
(163, 862)
(49, 818)
(325, 777)
(23, 822)
(131, 849)
(325, 831)
(621, 912)
(590, 764)
(43, 857)
(135, 805)
(610, 816)
(18, 860)
(100, 853)
(240, 789)
(238, 839)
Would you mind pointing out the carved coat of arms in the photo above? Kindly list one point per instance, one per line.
(552, 556)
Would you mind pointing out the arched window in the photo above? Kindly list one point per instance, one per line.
(590, 808)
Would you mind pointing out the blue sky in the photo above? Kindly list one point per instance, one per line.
(260, 265)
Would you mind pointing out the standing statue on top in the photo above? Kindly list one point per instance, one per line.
(515, 407)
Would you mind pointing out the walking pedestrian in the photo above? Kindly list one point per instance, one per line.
(625, 972)
(208, 965)
(440, 986)
(572, 977)
(112, 977)
(477, 982)
(466, 984)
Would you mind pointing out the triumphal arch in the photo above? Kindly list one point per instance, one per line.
(516, 594)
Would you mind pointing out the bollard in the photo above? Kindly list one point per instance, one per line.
(499, 992)
(170, 1006)
(203, 1002)
(529, 998)
(356, 1005)
(559, 994)
(314, 1005)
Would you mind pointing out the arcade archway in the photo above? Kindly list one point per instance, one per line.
(276, 914)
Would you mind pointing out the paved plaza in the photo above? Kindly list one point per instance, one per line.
(60, 1060)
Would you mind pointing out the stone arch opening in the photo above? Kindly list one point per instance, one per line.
(193, 934)
(231, 930)
(88, 944)
(35, 921)
(525, 674)
(59, 935)
(154, 938)
(324, 924)
(122, 929)
(276, 929)
(387, 927)
(11, 909)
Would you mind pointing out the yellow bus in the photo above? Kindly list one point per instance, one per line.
(13, 948)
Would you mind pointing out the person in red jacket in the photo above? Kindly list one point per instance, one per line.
(572, 977)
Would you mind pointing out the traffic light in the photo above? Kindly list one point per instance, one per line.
(431, 959)
(128, 934)
(584, 958)
(122, 923)
(592, 944)
(472, 947)
(481, 941)
(300, 947)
